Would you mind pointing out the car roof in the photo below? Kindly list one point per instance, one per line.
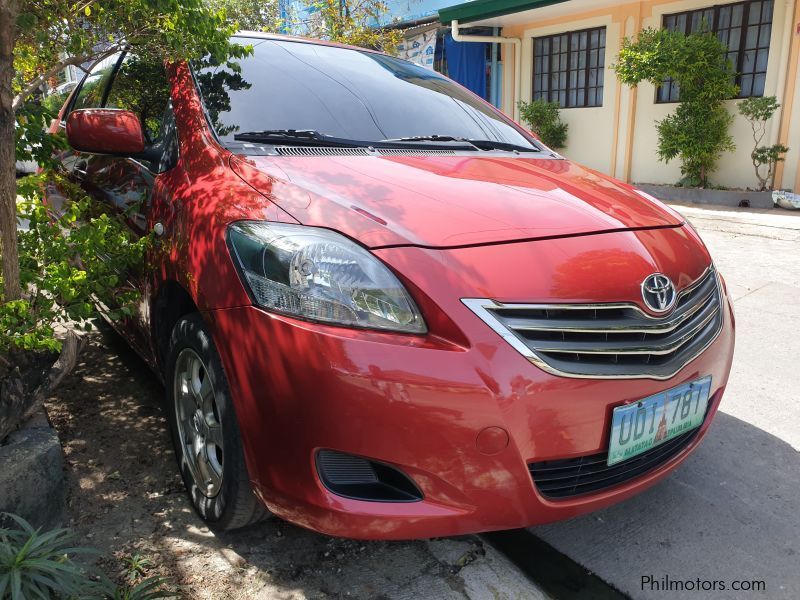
(261, 35)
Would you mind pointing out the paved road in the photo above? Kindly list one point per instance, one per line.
(732, 511)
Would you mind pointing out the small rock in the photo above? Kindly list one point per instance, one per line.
(233, 558)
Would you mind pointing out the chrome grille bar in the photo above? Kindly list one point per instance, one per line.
(615, 340)
(641, 325)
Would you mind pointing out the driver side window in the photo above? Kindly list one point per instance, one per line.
(94, 85)
(142, 87)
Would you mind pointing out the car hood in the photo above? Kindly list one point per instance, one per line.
(450, 201)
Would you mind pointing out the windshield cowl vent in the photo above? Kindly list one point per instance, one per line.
(415, 152)
(327, 151)
(320, 151)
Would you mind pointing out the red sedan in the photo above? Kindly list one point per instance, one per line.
(381, 309)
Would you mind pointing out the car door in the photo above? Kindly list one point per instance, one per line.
(127, 184)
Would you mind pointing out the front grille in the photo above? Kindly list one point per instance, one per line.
(610, 340)
(575, 476)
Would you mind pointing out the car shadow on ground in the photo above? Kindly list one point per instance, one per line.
(125, 496)
(730, 512)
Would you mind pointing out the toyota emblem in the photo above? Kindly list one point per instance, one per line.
(658, 293)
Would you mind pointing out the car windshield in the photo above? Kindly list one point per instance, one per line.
(345, 94)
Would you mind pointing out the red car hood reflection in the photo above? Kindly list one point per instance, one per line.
(449, 201)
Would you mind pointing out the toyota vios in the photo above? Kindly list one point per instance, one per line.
(382, 309)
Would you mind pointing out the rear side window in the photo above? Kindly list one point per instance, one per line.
(141, 86)
(93, 87)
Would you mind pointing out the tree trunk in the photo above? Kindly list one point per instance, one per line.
(17, 405)
(8, 184)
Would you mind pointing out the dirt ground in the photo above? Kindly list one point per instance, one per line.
(125, 496)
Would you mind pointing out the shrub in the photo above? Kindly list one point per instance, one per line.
(149, 588)
(67, 262)
(54, 102)
(39, 565)
(697, 132)
(70, 262)
(758, 111)
(545, 121)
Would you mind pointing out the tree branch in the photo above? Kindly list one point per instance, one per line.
(80, 7)
(34, 83)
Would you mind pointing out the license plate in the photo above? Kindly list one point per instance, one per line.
(637, 427)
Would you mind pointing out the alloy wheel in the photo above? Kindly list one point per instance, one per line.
(198, 420)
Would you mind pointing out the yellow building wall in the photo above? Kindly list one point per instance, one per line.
(791, 167)
(620, 137)
(735, 168)
(788, 172)
(591, 136)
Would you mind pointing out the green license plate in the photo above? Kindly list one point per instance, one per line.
(637, 427)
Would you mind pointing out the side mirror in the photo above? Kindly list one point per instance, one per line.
(105, 131)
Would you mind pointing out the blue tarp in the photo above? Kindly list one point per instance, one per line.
(466, 63)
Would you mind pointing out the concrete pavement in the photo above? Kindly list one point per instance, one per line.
(731, 513)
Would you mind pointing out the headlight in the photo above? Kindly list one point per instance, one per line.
(320, 275)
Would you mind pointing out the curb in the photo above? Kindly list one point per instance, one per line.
(32, 475)
(708, 196)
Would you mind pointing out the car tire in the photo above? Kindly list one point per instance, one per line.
(205, 433)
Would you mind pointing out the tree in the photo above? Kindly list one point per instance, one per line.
(697, 132)
(757, 111)
(53, 270)
(8, 209)
(252, 15)
(40, 38)
(354, 22)
(545, 122)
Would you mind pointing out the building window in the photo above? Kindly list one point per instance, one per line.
(745, 27)
(569, 68)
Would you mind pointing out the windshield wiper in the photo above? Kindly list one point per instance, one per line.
(497, 145)
(296, 136)
(315, 138)
(426, 138)
(479, 144)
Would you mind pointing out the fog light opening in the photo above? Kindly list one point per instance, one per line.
(363, 479)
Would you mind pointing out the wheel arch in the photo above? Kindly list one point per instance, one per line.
(172, 303)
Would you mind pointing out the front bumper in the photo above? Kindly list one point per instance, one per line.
(420, 403)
